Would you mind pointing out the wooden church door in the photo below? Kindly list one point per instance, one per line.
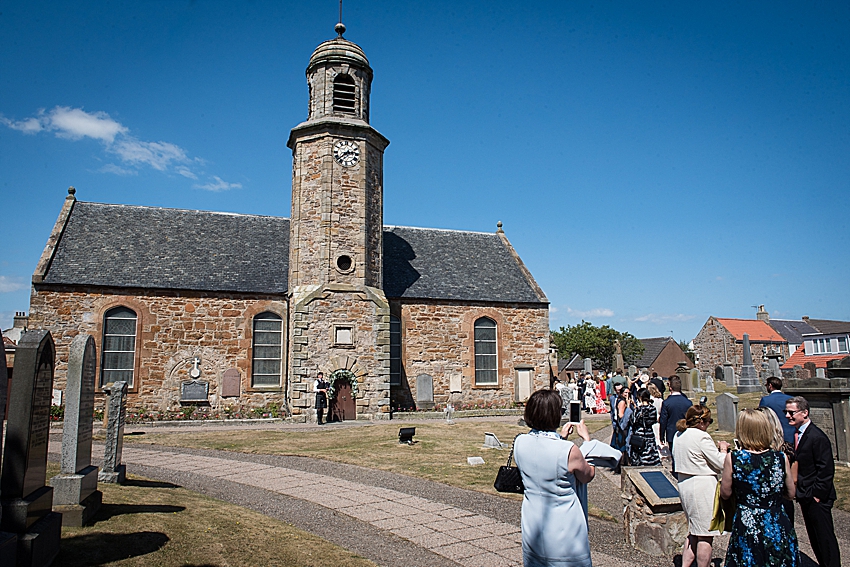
(343, 406)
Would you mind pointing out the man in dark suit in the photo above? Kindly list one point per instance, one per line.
(672, 410)
(815, 488)
(775, 400)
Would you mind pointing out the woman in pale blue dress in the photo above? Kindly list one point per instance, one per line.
(554, 472)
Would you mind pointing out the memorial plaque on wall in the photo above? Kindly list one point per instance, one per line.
(194, 391)
(231, 383)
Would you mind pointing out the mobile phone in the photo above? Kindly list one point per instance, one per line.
(575, 412)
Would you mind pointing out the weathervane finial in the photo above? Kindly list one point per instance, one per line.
(340, 27)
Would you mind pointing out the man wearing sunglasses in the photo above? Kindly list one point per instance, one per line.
(815, 488)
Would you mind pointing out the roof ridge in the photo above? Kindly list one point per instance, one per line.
(391, 226)
(201, 211)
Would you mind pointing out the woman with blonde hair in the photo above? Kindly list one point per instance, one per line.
(698, 462)
(760, 477)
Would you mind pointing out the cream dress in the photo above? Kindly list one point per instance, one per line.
(698, 464)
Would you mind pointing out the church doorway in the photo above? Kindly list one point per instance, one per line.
(342, 396)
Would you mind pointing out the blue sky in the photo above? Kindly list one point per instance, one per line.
(653, 163)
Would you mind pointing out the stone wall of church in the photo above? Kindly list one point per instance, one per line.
(171, 330)
(318, 317)
(437, 340)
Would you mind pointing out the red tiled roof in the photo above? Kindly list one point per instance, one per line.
(757, 330)
(820, 360)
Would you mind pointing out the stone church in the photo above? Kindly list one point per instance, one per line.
(241, 311)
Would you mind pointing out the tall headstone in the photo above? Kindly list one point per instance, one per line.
(424, 391)
(749, 381)
(8, 541)
(588, 366)
(113, 471)
(75, 493)
(727, 411)
(695, 383)
(685, 376)
(729, 374)
(26, 502)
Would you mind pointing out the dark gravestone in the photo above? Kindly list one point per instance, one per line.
(231, 383)
(424, 391)
(718, 374)
(194, 391)
(8, 541)
(660, 484)
(75, 493)
(27, 503)
(113, 471)
(811, 369)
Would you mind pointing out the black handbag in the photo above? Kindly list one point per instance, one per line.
(509, 479)
(636, 442)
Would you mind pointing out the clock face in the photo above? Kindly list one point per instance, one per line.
(346, 153)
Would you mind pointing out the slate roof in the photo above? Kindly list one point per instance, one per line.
(792, 331)
(828, 327)
(158, 248)
(652, 348)
(573, 363)
(758, 330)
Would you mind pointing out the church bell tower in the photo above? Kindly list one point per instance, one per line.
(339, 316)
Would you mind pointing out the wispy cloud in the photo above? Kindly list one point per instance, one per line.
(591, 313)
(131, 152)
(662, 318)
(218, 184)
(8, 285)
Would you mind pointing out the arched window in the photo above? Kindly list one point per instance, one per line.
(344, 97)
(268, 350)
(119, 346)
(486, 358)
(395, 350)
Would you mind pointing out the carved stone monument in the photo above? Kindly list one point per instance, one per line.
(749, 381)
(8, 541)
(684, 375)
(653, 518)
(727, 411)
(113, 471)
(424, 392)
(618, 362)
(26, 502)
(75, 493)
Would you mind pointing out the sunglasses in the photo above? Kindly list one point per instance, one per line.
(792, 412)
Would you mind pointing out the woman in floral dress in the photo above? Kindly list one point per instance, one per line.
(759, 477)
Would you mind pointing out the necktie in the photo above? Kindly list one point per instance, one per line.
(796, 438)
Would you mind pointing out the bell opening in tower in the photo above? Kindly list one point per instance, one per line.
(344, 94)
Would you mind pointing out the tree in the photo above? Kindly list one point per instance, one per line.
(596, 343)
(686, 348)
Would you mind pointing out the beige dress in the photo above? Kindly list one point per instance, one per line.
(698, 462)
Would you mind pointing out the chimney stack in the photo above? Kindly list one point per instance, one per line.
(21, 320)
(762, 315)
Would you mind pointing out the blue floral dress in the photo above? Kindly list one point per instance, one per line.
(762, 534)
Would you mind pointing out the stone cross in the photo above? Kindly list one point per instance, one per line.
(75, 493)
(113, 471)
(26, 500)
(749, 381)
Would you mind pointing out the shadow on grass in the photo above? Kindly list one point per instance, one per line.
(100, 548)
(109, 511)
(149, 483)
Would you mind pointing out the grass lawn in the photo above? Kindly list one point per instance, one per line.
(159, 524)
(439, 454)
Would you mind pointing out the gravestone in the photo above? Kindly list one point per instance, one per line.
(727, 411)
(75, 493)
(728, 374)
(113, 471)
(455, 384)
(718, 374)
(811, 369)
(798, 373)
(685, 376)
(588, 365)
(450, 410)
(653, 519)
(231, 383)
(694, 376)
(194, 391)
(749, 379)
(491, 441)
(424, 391)
(709, 382)
(632, 371)
(820, 373)
(26, 502)
(8, 541)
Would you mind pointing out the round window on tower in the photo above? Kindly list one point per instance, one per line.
(344, 263)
